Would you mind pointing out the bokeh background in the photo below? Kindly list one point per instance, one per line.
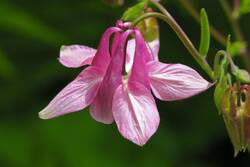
(191, 133)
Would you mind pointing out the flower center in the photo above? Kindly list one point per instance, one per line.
(123, 26)
(125, 79)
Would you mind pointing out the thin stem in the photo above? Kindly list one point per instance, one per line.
(234, 68)
(236, 30)
(185, 40)
(236, 6)
(233, 22)
(214, 32)
(182, 36)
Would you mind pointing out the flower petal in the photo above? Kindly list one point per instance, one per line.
(153, 49)
(75, 56)
(101, 109)
(130, 55)
(135, 112)
(175, 81)
(102, 57)
(75, 96)
(139, 72)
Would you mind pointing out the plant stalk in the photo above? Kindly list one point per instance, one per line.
(214, 32)
(182, 36)
(237, 31)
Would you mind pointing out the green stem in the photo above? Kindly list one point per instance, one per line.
(182, 36)
(236, 30)
(214, 32)
(166, 16)
(226, 55)
(233, 22)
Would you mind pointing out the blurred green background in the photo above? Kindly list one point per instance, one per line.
(191, 133)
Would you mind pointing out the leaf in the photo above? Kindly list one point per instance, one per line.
(236, 47)
(133, 12)
(243, 76)
(205, 33)
(244, 7)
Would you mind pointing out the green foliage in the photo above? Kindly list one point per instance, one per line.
(242, 75)
(244, 6)
(205, 33)
(234, 48)
(133, 12)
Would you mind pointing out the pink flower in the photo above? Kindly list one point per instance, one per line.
(82, 91)
(123, 98)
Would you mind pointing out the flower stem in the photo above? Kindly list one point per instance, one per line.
(236, 30)
(181, 34)
(233, 22)
(214, 32)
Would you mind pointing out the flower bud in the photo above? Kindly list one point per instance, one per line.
(149, 27)
(235, 109)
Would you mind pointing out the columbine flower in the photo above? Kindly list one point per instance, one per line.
(81, 92)
(133, 106)
(125, 98)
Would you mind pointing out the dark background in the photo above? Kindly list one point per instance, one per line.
(191, 133)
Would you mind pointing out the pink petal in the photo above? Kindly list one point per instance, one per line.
(175, 81)
(75, 56)
(153, 49)
(130, 55)
(115, 42)
(139, 73)
(102, 57)
(135, 112)
(101, 109)
(75, 96)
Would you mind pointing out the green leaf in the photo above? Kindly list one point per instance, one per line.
(205, 33)
(236, 47)
(243, 76)
(133, 12)
(244, 6)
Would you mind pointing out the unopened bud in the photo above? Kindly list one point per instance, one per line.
(236, 113)
(149, 27)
